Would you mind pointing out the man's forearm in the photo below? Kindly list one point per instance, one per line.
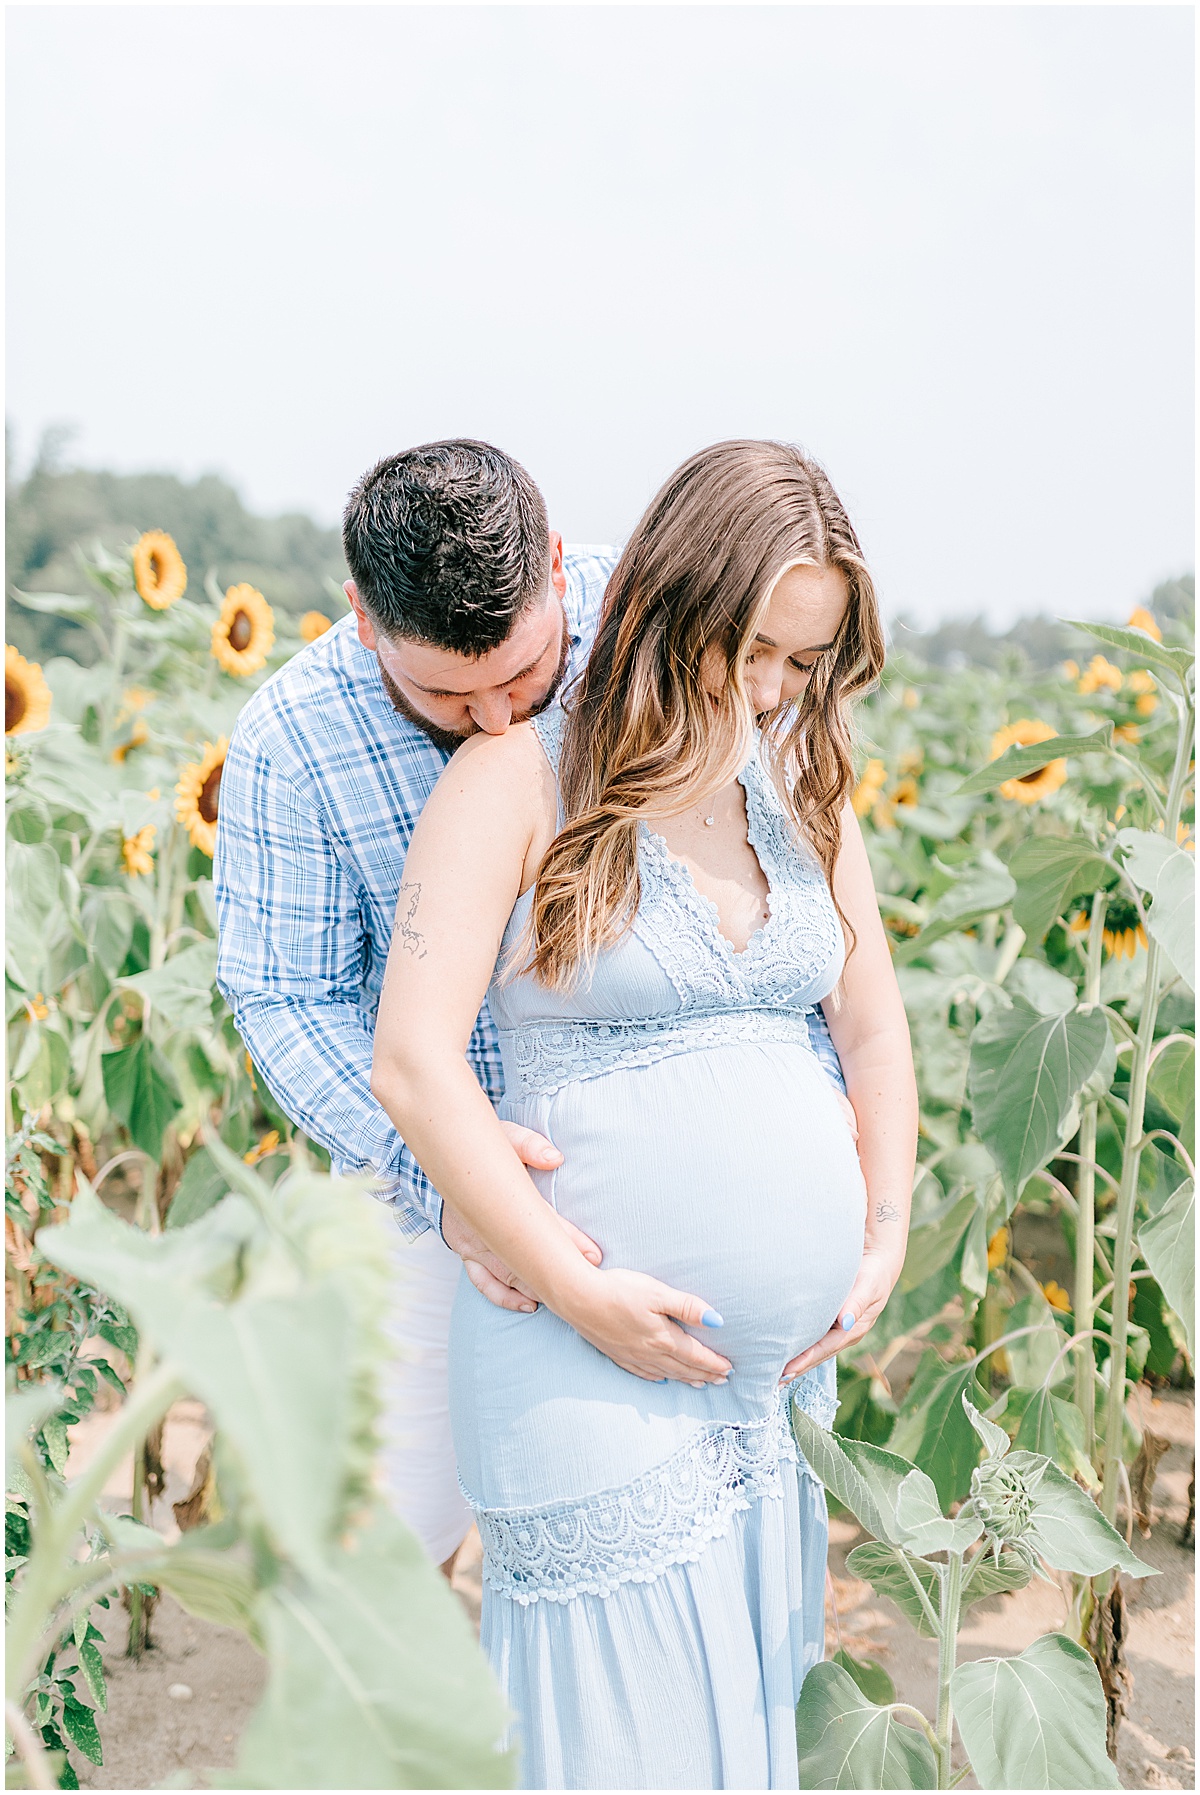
(316, 1058)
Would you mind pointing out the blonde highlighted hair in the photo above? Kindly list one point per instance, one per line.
(645, 733)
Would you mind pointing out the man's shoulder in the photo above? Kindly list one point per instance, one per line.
(302, 683)
(326, 694)
(590, 561)
(588, 568)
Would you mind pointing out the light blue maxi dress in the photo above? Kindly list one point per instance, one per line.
(654, 1555)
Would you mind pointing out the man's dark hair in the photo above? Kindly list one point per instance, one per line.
(447, 544)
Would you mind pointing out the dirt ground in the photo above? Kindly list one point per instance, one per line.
(179, 1710)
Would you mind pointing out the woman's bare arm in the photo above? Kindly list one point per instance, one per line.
(476, 847)
(870, 1031)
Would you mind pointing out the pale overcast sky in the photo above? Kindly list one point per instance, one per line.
(948, 249)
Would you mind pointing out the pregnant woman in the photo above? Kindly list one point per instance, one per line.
(658, 883)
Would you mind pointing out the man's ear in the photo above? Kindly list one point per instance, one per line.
(366, 630)
(558, 572)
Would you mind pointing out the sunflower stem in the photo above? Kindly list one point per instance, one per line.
(112, 705)
(1132, 1155)
(1085, 1196)
(951, 1578)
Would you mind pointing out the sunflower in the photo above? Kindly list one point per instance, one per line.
(1100, 675)
(27, 697)
(906, 791)
(1070, 669)
(1143, 620)
(244, 632)
(268, 1144)
(1057, 1297)
(1146, 701)
(1127, 732)
(314, 624)
(1027, 788)
(910, 698)
(136, 851)
(899, 926)
(1123, 931)
(997, 1251)
(137, 735)
(158, 570)
(869, 788)
(196, 795)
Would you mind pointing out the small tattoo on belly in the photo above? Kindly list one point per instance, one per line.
(886, 1212)
(410, 939)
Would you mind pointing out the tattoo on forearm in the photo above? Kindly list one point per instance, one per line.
(410, 939)
(886, 1212)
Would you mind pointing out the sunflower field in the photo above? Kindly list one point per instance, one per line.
(170, 1234)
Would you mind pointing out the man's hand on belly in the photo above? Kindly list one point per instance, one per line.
(489, 1275)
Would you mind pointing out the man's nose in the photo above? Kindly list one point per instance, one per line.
(492, 713)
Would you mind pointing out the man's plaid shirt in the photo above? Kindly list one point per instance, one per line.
(320, 793)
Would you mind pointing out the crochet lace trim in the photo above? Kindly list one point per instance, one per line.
(545, 1056)
(668, 1516)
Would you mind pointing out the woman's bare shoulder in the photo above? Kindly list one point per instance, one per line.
(509, 770)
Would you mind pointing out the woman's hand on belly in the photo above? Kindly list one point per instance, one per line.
(874, 1283)
(631, 1318)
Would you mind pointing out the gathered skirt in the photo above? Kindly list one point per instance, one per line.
(654, 1555)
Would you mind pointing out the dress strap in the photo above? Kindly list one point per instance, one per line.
(548, 727)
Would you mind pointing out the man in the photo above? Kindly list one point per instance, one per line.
(466, 614)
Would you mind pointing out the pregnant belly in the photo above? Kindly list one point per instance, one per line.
(730, 1174)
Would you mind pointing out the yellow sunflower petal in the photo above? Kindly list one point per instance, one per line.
(135, 851)
(314, 624)
(1144, 620)
(1028, 788)
(27, 697)
(1056, 1296)
(867, 791)
(197, 795)
(1100, 674)
(997, 1251)
(268, 1144)
(137, 735)
(244, 633)
(158, 570)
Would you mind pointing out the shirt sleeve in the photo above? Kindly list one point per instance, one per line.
(291, 949)
(823, 1047)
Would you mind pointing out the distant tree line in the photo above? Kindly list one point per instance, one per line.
(298, 566)
(295, 564)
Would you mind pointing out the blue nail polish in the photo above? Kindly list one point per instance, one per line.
(711, 1319)
(848, 1320)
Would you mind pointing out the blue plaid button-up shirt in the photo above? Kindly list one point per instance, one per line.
(321, 790)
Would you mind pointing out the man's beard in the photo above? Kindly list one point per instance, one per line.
(449, 739)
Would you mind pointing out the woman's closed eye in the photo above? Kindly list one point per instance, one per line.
(797, 666)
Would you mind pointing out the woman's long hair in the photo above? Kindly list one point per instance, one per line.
(644, 733)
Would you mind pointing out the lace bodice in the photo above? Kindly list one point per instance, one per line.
(675, 981)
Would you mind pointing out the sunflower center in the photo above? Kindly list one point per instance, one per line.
(206, 803)
(1031, 778)
(156, 569)
(240, 631)
(15, 705)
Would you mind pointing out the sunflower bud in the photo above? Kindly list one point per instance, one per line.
(1002, 1502)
